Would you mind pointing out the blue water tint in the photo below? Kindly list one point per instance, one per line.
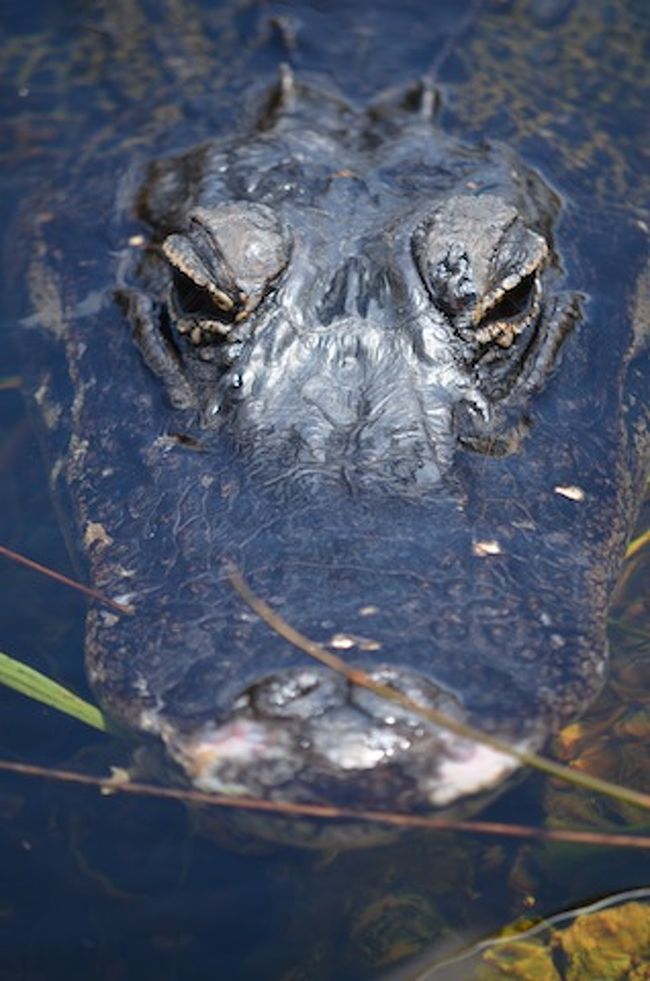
(120, 888)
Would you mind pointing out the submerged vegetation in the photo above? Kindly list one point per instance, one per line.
(608, 940)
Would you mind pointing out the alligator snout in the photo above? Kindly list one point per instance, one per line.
(310, 735)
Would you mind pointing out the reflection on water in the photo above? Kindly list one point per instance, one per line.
(113, 888)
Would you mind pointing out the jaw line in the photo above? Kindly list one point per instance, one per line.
(233, 759)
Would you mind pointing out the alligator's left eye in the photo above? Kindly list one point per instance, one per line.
(481, 265)
(511, 313)
(222, 267)
(515, 302)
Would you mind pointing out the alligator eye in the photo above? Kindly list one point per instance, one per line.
(481, 264)
(194, 300)
(511, 313)
(200, 312)
(223, 266)
(515, 303)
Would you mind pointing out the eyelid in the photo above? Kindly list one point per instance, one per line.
(510, 283)
(252, 246)
(501, 327)
(518, 296)
(223, 265)
(195, 296)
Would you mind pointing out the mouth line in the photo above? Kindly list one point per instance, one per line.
(328, 742)
(252, 759)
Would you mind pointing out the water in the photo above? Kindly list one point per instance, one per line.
(115, 888)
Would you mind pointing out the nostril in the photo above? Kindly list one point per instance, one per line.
(419, 690)
(308, 694)
(298, 695)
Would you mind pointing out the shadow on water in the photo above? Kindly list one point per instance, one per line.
(112, 888)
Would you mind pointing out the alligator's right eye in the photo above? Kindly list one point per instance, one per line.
(223, 266)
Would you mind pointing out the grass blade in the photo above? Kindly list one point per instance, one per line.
(14, 674)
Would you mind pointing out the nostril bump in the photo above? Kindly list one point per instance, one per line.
(298, 695)
(419, 690)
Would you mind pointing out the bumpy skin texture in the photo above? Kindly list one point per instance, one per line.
(347, 287)
(384, 400)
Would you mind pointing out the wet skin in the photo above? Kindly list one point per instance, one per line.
(376, 397)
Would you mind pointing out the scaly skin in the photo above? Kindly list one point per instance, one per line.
(369, 375)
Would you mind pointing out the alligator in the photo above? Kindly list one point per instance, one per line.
(358, 370)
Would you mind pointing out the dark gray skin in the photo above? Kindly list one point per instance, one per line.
(384, 397)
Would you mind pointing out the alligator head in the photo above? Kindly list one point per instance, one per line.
(355, 317)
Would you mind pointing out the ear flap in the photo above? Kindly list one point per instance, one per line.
(417, 101)
(281, 98)
(297, 100)
(304, 100)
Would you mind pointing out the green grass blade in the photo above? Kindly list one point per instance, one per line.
(14, 674)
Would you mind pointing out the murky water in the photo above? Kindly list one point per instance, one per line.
(114, 888)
